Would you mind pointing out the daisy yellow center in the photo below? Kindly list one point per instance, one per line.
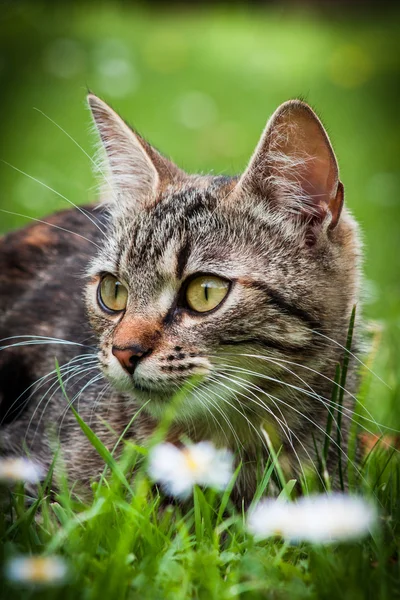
(190, 461)
(10, 470)
(38, 569)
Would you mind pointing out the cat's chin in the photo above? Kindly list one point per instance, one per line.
(156, 397)
(155, 402)
(144, 393)
(139, 390)
(148, 394)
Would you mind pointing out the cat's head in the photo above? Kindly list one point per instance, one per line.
(233, 279)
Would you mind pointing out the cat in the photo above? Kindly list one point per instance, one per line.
(247, 282)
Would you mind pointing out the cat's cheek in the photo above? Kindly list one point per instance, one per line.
(163, 374)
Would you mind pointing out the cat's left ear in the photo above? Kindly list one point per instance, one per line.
(294, 168)
(135, 170)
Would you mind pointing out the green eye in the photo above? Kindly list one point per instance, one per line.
(206, 292)
(112, 294)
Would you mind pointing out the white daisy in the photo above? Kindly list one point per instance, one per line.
(179, 469)
(20, 469)
(316, 519)
(36, 569)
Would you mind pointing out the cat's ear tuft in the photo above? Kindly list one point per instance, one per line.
(294, 167)
(130, 171)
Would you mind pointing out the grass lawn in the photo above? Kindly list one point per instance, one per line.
(200, 84)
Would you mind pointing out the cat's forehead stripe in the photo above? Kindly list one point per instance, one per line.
(183, 256)
(173, 217)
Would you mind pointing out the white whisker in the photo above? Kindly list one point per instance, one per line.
(352, 355)
(288, 432)
(10, 212)
(96, 166)
(224, 416)
(41, 380)
(70, 403)
(307, 418)
(71, 372)
(243, 416)
(55, 192)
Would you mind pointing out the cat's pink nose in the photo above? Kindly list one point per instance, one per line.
(129, 357)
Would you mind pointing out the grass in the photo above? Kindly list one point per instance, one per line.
(128, 541)
(243, 63)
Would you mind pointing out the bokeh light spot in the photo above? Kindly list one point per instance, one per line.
(117, 77)
(116, 73)
(64, 58)
(196, 110)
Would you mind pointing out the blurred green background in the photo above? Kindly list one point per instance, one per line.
(199, 81)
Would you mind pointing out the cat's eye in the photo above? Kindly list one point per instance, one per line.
(112, 294)
(206, 292)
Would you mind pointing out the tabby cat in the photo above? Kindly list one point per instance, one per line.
(247, 282)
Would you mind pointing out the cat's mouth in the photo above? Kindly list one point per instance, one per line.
(149, 389)
(147, 383)
(144, 392)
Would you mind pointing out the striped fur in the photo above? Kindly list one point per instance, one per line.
(277, 233)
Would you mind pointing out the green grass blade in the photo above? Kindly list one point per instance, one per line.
(331, 412)
(286, 493)
(94, 440)
(269, 469)
(227, 493)
(344, 369)
(275, 460)
(101, 450)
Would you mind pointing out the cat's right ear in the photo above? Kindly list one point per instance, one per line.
(294, 169)
(133, 169)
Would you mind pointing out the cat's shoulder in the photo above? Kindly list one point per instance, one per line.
(27, 254)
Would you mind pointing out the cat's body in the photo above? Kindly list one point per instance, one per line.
(275, 242)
